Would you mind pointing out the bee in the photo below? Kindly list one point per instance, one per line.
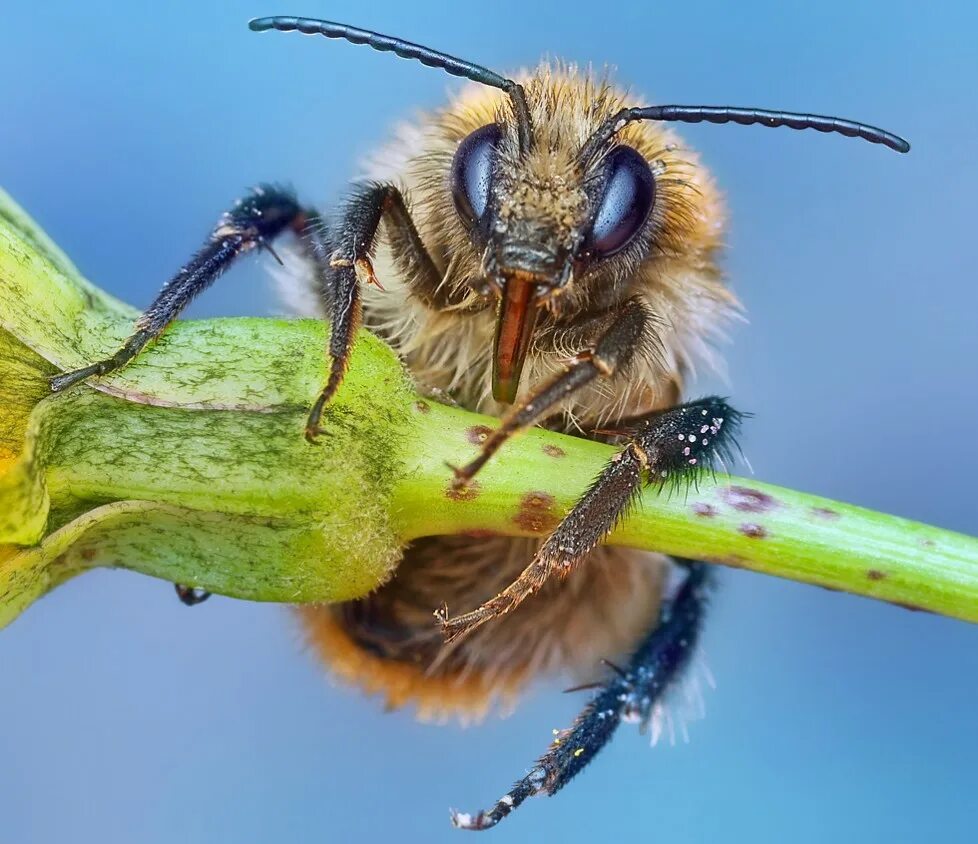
(543, 251)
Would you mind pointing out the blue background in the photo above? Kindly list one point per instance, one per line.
(125, 717)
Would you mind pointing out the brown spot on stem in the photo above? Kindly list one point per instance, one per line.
(477, 434)
(422, 406)
(826, 513)
(752, 530)
(88, 553)
(554, 451)
(927, 543)
(876, 574)
(536, 513)
(706, 511)
(748, 500)
(467, 492)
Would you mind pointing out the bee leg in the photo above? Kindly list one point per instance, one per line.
(621, 333)
(668, 447)
(350, 267)
(631, 695)
(191, 595)
(253, 222)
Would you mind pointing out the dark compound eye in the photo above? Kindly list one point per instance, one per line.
(628, 197)
(472, 172)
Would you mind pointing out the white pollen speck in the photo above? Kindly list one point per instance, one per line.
(506, 800)
(704, 412)
(692, 438)
(681, 438)
(686, 452)
(664, 473)
(705, 441)
(704, 429)
(692, 461)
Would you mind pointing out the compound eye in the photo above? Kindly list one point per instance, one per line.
(472, 170)
(625, 205)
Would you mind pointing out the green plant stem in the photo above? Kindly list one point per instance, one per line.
(727, 520)
(190, 466)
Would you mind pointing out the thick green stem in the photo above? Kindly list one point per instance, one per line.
(190, 465)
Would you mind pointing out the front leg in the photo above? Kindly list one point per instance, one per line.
(254, 222)
(621, 334)
(668, 447)
(350, 267)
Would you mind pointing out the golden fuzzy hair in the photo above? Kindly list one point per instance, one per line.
(389, 641)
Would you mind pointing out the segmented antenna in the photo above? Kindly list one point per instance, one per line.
(408, 50)
(743, 116)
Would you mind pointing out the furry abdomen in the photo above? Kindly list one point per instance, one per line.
(389, 642)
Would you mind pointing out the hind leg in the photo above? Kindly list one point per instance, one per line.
(667, 447)
(630, 695)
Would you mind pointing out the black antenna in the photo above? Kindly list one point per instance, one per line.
(743, 116)
(408, 50)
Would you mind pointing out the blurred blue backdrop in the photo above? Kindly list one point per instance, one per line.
(125, 717)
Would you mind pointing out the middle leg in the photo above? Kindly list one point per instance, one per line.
(668, 446)
(612, 341)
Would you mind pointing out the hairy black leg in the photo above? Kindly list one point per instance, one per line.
(669, 446)
(350, 265)
(620, 335)
(253, 222)
(191, 595)
(630, 695)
